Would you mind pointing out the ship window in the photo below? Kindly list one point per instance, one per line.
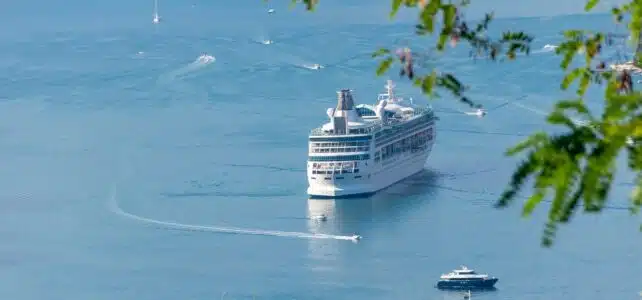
(340, 158)
(327, 178)
(365, 112)
(358, 176)
(339, 178)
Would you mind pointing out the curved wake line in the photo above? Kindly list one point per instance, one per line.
(199, 63)
(113, 206)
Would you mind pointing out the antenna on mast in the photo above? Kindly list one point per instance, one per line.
(389, 89)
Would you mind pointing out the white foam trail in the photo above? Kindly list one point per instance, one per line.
(113, 205)
(297, 61)
(199, 63)
(311, 66)
(546, 49)
(531, 109)
(265, 41)
(577, 122)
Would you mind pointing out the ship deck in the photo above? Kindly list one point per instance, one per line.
(373, 124)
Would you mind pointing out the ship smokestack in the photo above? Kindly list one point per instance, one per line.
(344, 100)
(345, 105)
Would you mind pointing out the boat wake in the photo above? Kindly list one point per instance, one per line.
(546, 48)
(300, 62)
(113, 207)
(264, 41)
(204, 59)
(311, 66)
(198, 63)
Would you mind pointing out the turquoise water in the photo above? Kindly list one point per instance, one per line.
(109, 125)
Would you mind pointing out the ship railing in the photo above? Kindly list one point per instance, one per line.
(368, 130)
(340, 167)
(373, 128)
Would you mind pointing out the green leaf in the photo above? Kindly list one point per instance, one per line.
(576, 105)
(558, 118)
(531, 141)
(569, 78)
(384, 66)
(532, 202)
(590, 4)
(396, 4)
(380, 52)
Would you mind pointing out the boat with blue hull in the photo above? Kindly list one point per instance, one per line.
(466, 279)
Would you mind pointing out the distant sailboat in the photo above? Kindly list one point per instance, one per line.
(156, 18)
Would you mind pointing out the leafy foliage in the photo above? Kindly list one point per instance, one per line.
(576, 168)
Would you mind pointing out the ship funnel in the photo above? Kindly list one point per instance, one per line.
(344, 100)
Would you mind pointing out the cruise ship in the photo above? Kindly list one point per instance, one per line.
(365, 148)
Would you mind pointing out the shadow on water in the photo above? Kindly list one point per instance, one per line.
(386, 206)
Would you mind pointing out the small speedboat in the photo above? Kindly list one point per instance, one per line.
(479, 112)
(321, 218)
(549, 47)
(271, 11)
(466, 279)
(205, 58)
(355, 237)
(316, 67)
(267, 42)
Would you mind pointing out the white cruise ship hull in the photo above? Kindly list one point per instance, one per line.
(371, 179)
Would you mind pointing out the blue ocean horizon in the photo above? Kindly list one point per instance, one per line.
(126, 160)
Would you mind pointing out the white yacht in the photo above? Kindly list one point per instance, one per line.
(205, 58)
(465, 278)
(320, 218)
(365, 148)
(480, 112)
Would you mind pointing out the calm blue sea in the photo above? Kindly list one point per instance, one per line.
(110, 129)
